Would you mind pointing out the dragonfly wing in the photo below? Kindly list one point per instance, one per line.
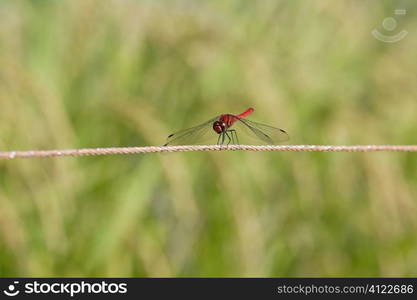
(268, 134)
(193, 135)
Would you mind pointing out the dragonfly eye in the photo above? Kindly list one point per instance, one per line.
(218, 127)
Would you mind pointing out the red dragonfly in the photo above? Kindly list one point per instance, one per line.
(222, 124)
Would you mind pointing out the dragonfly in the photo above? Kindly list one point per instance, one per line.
(226, 126)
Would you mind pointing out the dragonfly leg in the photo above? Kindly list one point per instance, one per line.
(235, 139)
(218, 139)
(228, 136)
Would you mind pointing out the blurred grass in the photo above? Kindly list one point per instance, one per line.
(124, 73)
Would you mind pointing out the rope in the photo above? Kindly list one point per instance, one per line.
(158, 149)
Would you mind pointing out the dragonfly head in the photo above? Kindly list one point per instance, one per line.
(219, 127)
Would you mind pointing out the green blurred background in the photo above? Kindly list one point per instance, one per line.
(83, 73)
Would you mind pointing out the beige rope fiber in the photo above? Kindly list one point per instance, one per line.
(157, 149)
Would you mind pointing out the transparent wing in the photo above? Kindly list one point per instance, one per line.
(268, 134)
(193, 135)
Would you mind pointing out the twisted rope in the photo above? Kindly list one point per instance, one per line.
(157, 149)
